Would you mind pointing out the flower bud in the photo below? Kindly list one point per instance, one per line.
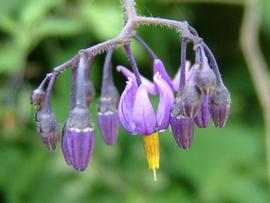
(203, 116)
(108, 120)
(38, 98)
(47, 127)
(190, 99)
(78, 139)
(205, 79)
(90, 91)
(220, 106)
(182, 127)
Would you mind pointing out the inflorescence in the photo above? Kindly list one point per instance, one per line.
(195, 95)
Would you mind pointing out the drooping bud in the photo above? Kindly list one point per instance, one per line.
(182, 126)
(78, 139)
(47, 127)
(204, 76)
(220, 106)
(46, 123)
(108, 120)
(38, 98)
(203, 116)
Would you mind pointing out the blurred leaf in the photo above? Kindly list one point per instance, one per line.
(34, 10)
(55, 26)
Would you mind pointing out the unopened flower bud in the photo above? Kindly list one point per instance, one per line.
(47, 127)
(182, 127)
(38, 98)
(190, 99)
(108, 120)
(220, 106)
(78, 139)
(203, 116)
(90, 91)
(205, 79)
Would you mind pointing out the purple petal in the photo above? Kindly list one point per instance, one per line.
(147, 83)
(165, 102)
(203, 116)
(109, 127)
(159, 68)
(126, 106)
(143, 113)
(183, 130)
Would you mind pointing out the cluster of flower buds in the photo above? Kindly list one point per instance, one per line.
(200, 96)
(78, 134)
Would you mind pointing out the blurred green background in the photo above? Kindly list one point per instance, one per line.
(224, 165)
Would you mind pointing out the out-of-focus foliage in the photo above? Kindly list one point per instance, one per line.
(224, 165)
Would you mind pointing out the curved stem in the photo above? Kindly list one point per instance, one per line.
(47, 102)
(80, 89)
(213, 64)
(73, 87)
(133, 64)
(146, 47)
(183, 63)
(107, 72)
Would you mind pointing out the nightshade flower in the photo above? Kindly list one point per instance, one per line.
(137, 115)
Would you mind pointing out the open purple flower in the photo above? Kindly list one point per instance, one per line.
(136, 112)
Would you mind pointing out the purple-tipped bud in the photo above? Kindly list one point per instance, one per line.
(47, 127)
(78, 139)
(203, 116)
(90, 91)
(38, 98)
(205, 79)
(182, 127)
(108, 120)
(220, 106)
(190, 99)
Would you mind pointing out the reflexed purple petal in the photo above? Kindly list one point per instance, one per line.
(80, 145)
(147, 83)
(165, 102)
(159, 68)
(126, 105)
(183, 130)
(203, 116)
(220, 114)
(143, 113)
(109, 127)
(176, 79)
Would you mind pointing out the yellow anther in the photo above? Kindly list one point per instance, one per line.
(151, 148)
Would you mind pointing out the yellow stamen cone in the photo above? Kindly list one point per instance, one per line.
(151, 148)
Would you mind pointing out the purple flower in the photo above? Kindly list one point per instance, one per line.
(136, 112)
(78, 139)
